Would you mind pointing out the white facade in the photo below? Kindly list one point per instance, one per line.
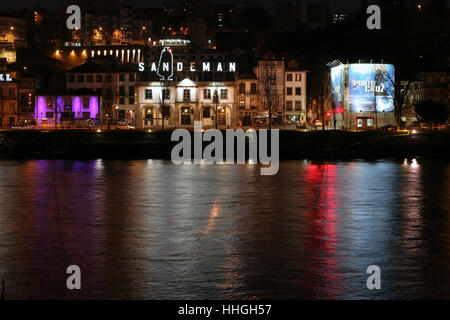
(295, 97)
(187, 101)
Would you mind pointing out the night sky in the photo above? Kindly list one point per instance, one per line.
(269, 5)
(340, 5)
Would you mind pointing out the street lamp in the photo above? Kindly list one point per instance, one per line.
(117, 114)
(29, 102)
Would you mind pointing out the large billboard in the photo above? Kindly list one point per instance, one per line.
(337, 87)
(371, 86)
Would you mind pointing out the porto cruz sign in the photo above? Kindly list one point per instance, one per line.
(166, 67)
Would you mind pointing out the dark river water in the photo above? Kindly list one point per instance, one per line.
(151, 230)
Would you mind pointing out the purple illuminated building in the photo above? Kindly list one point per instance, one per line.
(73, 109)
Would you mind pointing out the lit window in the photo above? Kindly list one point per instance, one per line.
(224, 94)
(207, 94)
(186, 95)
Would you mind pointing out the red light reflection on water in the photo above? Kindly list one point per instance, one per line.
(322, 201)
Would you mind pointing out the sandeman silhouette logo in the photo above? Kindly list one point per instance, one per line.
(165, 66)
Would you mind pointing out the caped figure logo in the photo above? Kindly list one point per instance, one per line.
(165, 66)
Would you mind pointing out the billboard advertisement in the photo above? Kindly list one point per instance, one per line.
(337, 87)
(371, 87)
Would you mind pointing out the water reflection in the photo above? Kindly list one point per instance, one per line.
(321, 200)
(148, 229)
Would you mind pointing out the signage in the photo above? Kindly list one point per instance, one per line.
(5, 77)
(166, 67)
(371, 87)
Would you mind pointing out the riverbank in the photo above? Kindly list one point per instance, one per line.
(72, 144)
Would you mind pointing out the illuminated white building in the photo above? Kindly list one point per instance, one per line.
(295, 94)
(186, 101)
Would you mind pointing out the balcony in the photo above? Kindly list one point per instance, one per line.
(186, 100)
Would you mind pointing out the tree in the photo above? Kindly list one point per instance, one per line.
(108, 100)
(58, 107)
(432, 112)
(270, 94)
(216, 106)
(161, 99)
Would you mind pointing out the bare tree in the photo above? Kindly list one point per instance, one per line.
(162, 99)
(394, 92)
(108, 94)
(58, 107)
(270, 95)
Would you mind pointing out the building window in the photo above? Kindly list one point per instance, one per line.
(99, 78)
(131, 100)
(86, 102)
(241, 88)
(121, 100)
(89, 78)
(108, 78)
(131, 77)
(289, 91)
(148, 94)
(186, 95)
(224, 94)
(80, 78)
(206, 112)
(131, 90)
(298, 105)
(207, 94)
(252, 103)
(253, 88)
(121, 91)
(49, 114)
(298, 91)
(288, 105)
(71, 78)
(289, 77)
(298, 77)
(370, 122)
(241, 103)
(122, 77)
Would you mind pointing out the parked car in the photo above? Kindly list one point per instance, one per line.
(123, 125)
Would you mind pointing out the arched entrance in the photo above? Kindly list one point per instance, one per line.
(186, 113)
(207, 116)
(148, 116)
(223, 116)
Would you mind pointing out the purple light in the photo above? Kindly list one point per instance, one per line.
(93, 107)
(76, 107)
(40, 109)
